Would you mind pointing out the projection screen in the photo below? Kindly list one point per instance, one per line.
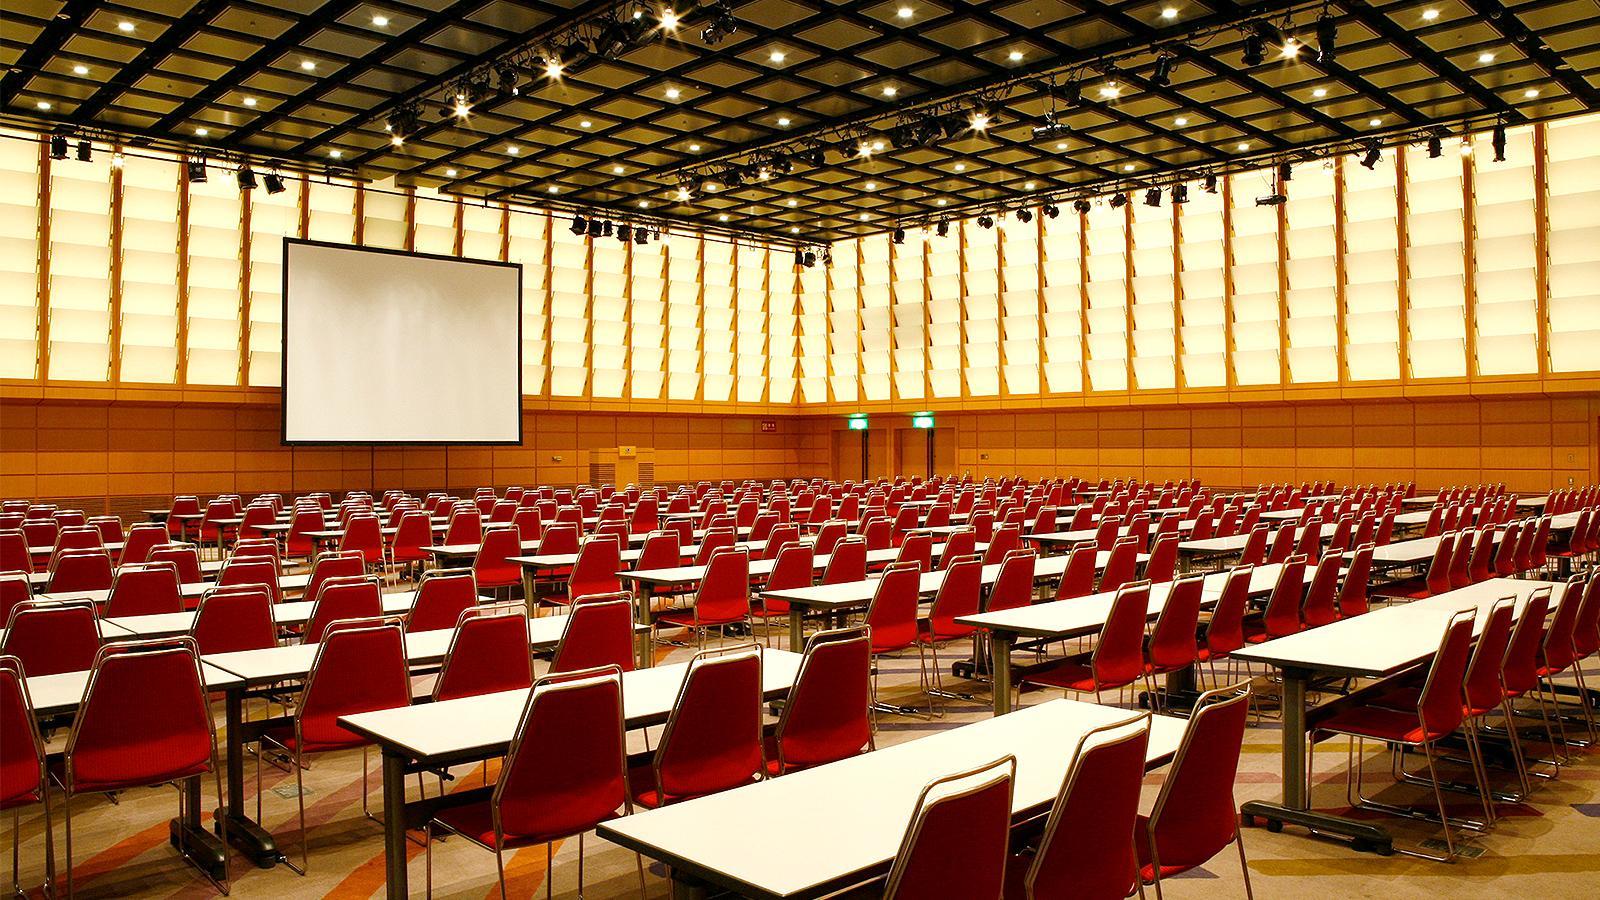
(381, 346)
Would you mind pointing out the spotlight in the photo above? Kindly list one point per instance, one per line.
(1370, 159)
(85, 151)
(246, 178)
(624, 233)
(986, 221)
(1118, 201)
(1050, 210)
(899, 235)
(722, 24)
(799, 258)
(607, 228)
(1435, 147)
(1211, 184)
(942, 229)
(1024, 216)
(640, 235)
(579, 224)
(274, 182)
(1081, 206)
(197, 170)
(595, 228)
(1161, 76)
(58, 146)
(1255, 50)
(1285, 171)
(1152, 197)
(811, 259)
(1326, 38)
(1498, 138)
(1180, 194)
(1273, 199)
(783, 165)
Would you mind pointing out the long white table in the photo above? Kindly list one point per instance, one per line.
(1234, 544)
(431, 735)
(1378, 644)
(188, 590)
(815, 832)
(288, 613)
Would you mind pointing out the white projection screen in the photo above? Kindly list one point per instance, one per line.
(382, 347)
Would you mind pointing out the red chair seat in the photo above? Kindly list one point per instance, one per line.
(284, 735)
(927, 635)
(1380, 724)
(1147, 872)
(1407, 698)
(1410, 588)
(475, 822)
(1069, 675)
(642, 784)
(684, 618)
(26, 798)
(58, 769)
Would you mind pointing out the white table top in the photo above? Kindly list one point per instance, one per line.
(487, 723)
(52, 694)
(296, 582)
(859, 593)
(1088, 534)
(1087, 615)
(852, 814)
(1234, 543)
(292, 612)
(1387, 640)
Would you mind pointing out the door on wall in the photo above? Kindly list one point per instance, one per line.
(911, 451)
(847, 455)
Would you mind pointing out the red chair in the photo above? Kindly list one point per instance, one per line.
(826, 716)
(1077, 579)
(1505, 557)
(1281, 618)
(712, 740)
(1005, 539)
(917, 548)
(14, 553)
(1437, 715)
(1322, 597)
(645, 517)
(184, 516)
(1120, 566)
(1480, 567)
(76, 537)
(1461, 560)
(492, 567)
(258, 547)
(956, 842)
(22, 766)
(1118, 658)
(251, 570)
(1255, 545)
(442, 596)
(209, 530)
(1559, 652)
(363, 533)
(255, 516)
(529, 524)
(1225, 632)
(598, 632)
(829, 534)
(465, 527)
(565, 773)
(1436, 580)
(794, 567)
(1013, 583)
(1172, 648)
(711, 541)
(185, 556)
(145, 720)
(659, 551)
(892, 615)
(723, 598)
(558, 539)
(960, 594)
(1353, 592)
(360, 667)
(847, 562)
(1163, 561)
(1195, 817)
(412, 536)
(488, 653)
(144, 589)
(357, 597)
(1087, 848)
(958, 544)
(595, 571)
(299, 543)
(231, 619)
(42, 533)
(80, 570)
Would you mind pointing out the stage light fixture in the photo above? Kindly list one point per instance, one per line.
(1081, 206)
(1050, 210)
(595, 228)
(579, 224)
(1118, 201)
(1498, 139)
(942, 228)
(274, 182)
(811, 259)
(197, 170)
(1152, 197)
(607, 228)
(1024, 216)
(640, 235)
(246, 177)
(624, 233)
(1161, 76)
(722, 24)
(58, 146)
(85, 151)
(899, 235)
(986, 221)
(1255, 50)
(1285, 172)
(1435, 147)
(1326, 39)
(1211, 184)
(1180, 193)
(1370, 159)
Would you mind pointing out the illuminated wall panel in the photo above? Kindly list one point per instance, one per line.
(19, 255)
(1372, 269)
(1019, 304)
(1313, 295)
(844, 320)
(528, 244)
(1154, 298)
(1203, 280)
(80, 282)
(1435, 266)
(1253, 274)
(1063, 302)
(149, 287)
(1573, 167)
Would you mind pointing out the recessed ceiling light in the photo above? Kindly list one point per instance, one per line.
(308, 64)
(513, 149)
(722, 217)
(552, 68)
(694, 148)
(877, 145)
(904, 12)
(890, 91)
(1320, 92)
(794, 229)
(1531, 93)
(961, 167)
(1243, 147)
(124, 26)
(943, 201)
(669, 19)
(1127, 167)
(449, 173)
(335, 154)
(1110, 89)
(644, 204)
(783, 121)
(672, 93)
(1062, 145)
(794, 202)
(777, 56)
(1170, 12)
(585, 123)
(1180, 121)
(1027, 186)
(1486, 57)
(872, 185)
(683, 193)
(862, 217)
(202, 132)
(80, 70)
(249, 101)
(1430, 14)
(616, 170)
(380, 21)
(1014, 55)
(553, 189)
(43, 104)
(397, 140)
(1291, 49)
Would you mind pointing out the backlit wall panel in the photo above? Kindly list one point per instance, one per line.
(19, 255)
(1573, 202)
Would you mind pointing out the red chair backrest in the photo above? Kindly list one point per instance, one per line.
(1163, 562)
(363, 533)
(1194, 815)
(1322, 603)
(1521, 665)
(493, 566)
(185, 556)
(333, 565)
(411, 535)
(21, 749)
(465, 527)
(1255, 545)
(595, 572)
(567, 770)
(1121, 565)
(41, 532)
(1172, 641)
(144, 718)
(52, 637)
(1225, 632)
(659, 551)
(357, 597)
(1107, 532)
(1558, 649)
(558, 539)
(713, 540)
(827, 717)
(892, 614)
(1005, 539)
(251, 570)
(14, 555)
(960, 594)
(1505, 557)
(442, 596)
(1482, 687)
(713, 740)
(1586, 630)
(1087, 848)
(80, 570)
(231, 619)
(1013, 583)
(1440, 705)
(14, 588)
(724, 593)
(1119, 656)
(489, 653)
(1282, 615)
(1077, 579)
(1353, 593)
(847, 562)
(599, 632)
(1438, 576)
(918, 548)
(1461, 560)
(359, 667)
(145, 589)
(958, 544)
(956, 843)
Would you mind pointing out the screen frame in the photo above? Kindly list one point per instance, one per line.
(283, 378)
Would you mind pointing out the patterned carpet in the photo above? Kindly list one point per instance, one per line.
(1548, 848)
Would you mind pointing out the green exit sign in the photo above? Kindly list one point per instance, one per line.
(922, 420)
(858, 421)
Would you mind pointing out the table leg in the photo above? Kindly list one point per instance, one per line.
(394, 825)
(255, 842)
(642, 640)
(1295, 788)
(1000, 658)
(191, 838)
(684, 888)
(797, 629)
(527, 592)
